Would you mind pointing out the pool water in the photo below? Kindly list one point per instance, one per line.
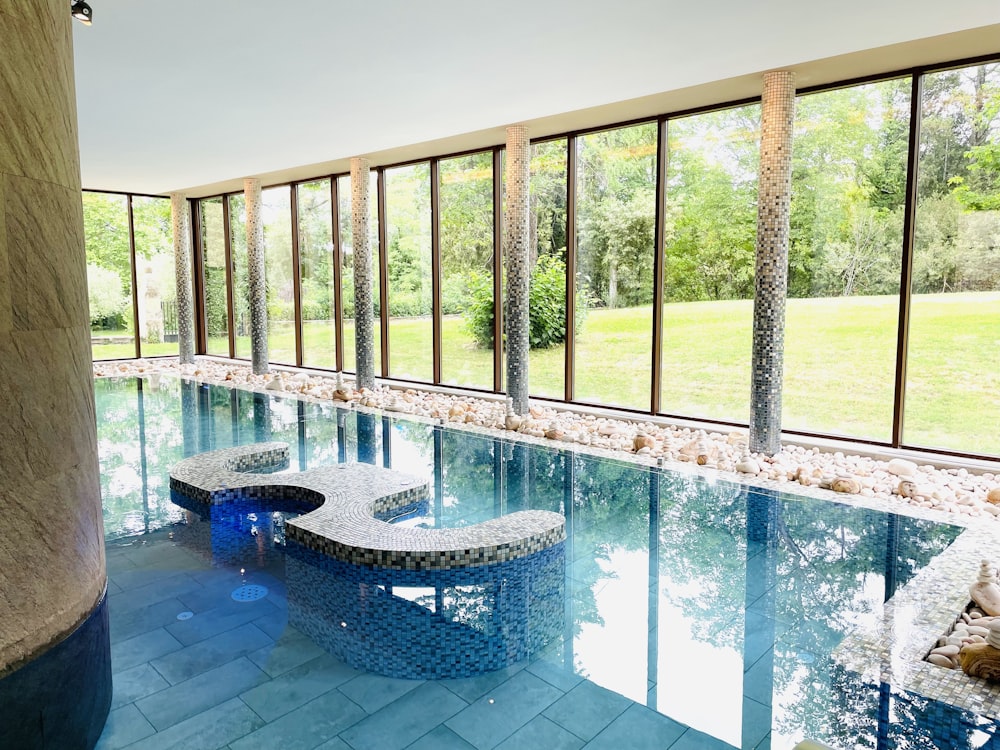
(712, 603)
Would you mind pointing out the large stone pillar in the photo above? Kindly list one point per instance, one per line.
(55, 669)
(774, 194)
(180, 212)
(516, 240)
(364, 309)
(256, 278)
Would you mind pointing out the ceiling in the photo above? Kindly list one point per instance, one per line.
(194, 95)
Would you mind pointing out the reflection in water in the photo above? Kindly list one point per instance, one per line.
(713, 604)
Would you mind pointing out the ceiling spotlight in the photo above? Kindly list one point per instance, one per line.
(82, 12)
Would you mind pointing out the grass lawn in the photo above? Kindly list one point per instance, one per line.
(838, 374)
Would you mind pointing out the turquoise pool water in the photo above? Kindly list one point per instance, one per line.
(713, 604)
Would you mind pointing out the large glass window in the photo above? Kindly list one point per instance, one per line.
(109, 275)
(276, 209)
(953, 369)
(155, 275)
(710, 223)
(408, 220)
(547, 216)
(213, 246)
(845, 249)
(615, 221)
(466, 221)
(319, 323)
(347, 267)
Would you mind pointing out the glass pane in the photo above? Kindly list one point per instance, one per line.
(547, 364)
(155, 276)
(213, 243)
(319, 324)
(347, 267)
(408, 219)
(241, 283)
(109, 275)
(953, 370)
(466, 205)
(615, 221)
(277, 215)
(710, 226)
(848, 191)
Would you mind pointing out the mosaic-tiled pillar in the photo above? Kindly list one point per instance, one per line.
(180, 212)
(256, 278)
(774, 193)
(55, 653)
(516, 238)
(364, 309)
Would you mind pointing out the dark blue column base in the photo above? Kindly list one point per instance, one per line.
(60, 700)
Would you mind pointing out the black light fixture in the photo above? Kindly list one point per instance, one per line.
(82, 12)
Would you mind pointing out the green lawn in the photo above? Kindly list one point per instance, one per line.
(839, 363)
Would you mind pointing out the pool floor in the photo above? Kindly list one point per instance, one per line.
(235, 675)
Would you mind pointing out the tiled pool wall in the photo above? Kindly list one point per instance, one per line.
(454, 623)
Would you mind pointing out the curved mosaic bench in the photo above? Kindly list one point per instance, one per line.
(347, 500)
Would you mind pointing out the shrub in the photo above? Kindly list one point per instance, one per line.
(546, 305)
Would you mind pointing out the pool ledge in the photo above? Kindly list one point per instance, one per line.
(347, 498)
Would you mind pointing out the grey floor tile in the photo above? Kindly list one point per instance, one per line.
(556, 674)
(692, 739)
(470, 689)
(504, 710)
(335, 744)
(228, 615)
(440, 738)
(756, 722)
(212, 652)
(405, 720)
(158, 591)
(132, 684)
(758, 680)
(587, 709)
(316, 722)
(298, 686)
(292, 649)
(274, 624)
(206, 731)
(124, 726)
(202, 693)
(639, 728)
(142, 648)
(542, 733)
(373, 691)
(128, 624)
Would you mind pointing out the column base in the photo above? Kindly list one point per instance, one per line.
(61, 699)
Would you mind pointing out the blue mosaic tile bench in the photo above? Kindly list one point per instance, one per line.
(348, 501)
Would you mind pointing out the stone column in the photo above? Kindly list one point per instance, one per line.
(516, 240)
(180, 212)
(55, 669)
(256, 277)
(364, 309)
(774, 193)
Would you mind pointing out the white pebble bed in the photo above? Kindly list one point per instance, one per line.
(973, 494)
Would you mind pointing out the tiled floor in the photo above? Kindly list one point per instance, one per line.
(235, 675)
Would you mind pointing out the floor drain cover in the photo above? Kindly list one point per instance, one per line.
(185, 615)
(249, 593)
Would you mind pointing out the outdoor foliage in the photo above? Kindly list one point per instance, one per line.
(546, 307)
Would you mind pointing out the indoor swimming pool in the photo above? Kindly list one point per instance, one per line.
(691, 612)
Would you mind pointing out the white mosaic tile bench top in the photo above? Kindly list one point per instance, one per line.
(347, 497)
(891, 649)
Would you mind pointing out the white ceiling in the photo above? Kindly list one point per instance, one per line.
(194, 95)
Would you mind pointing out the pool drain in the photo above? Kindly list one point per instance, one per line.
(250, 592)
